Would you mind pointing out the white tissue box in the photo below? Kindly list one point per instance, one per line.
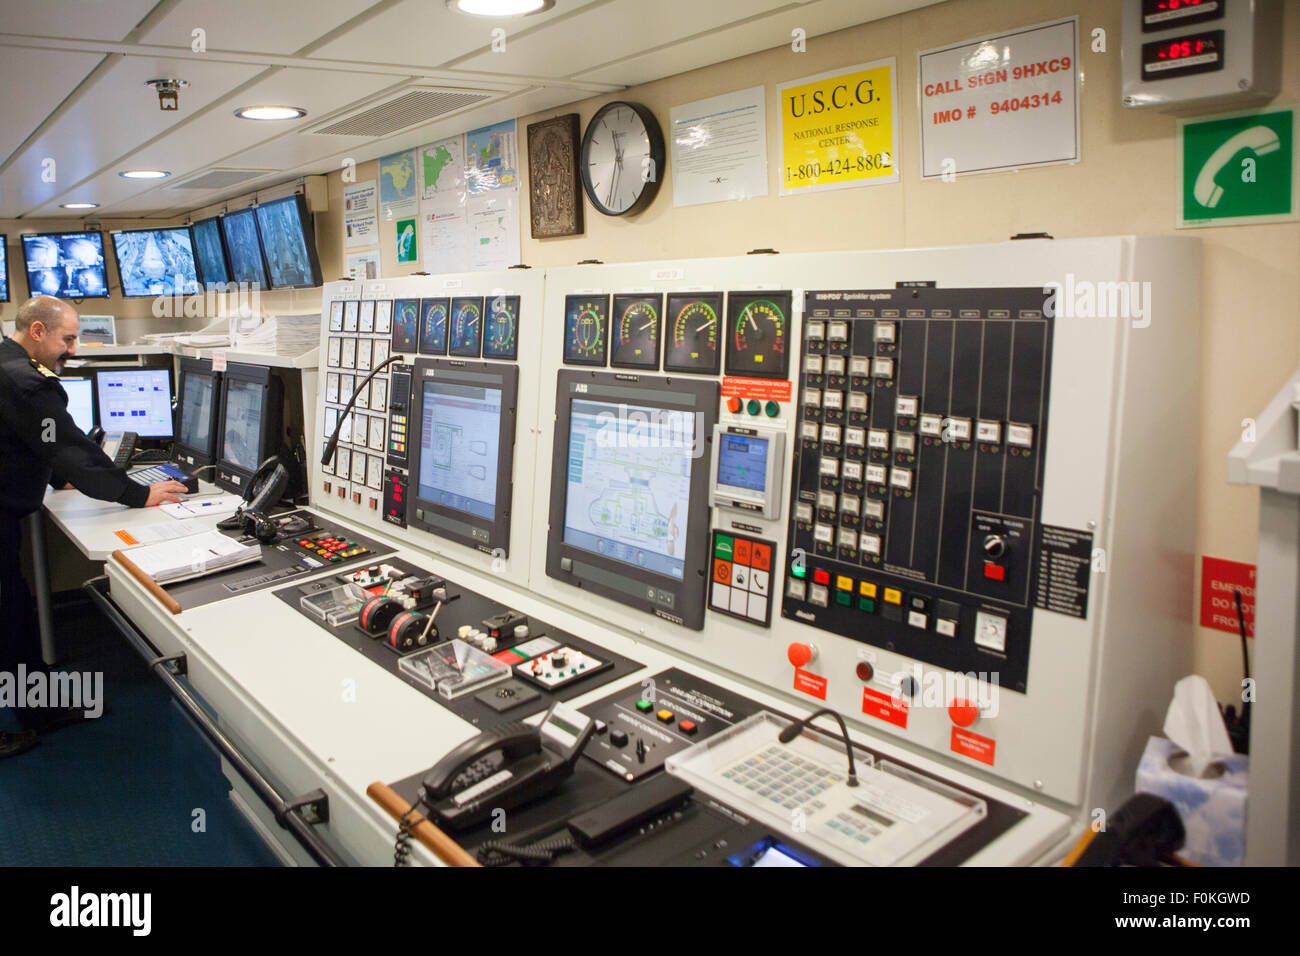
(1213, 809)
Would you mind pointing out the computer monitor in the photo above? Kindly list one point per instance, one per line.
(210, 252)
(629, 516)
(4, 269)
(69, 265)
(289, 243)
(135, 400)
(156, 262)
(245, 248)
(252, 408)
(81, 401)
(462, 466)
(198, 414)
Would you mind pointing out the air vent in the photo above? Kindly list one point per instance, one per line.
(409, 108)
(222, 178)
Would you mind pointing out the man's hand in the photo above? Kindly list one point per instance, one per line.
(164, 492)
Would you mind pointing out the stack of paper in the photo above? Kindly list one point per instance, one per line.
(193, 556)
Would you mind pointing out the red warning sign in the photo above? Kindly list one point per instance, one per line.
(887, 708)
(763, 389)
(973, 745)
(1219, 580)
(813, 684)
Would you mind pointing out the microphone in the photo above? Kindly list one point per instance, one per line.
(338, 427)
(793, 730)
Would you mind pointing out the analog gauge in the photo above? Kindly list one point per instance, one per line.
(379, 394)
(467, 327)
(406, 322)
(367, 321)
(379, 353)
(349, 359)
(336, 316)
(331, 391)
(335, 351)
(694, 324)
(350, 311)
(636, 331)
(586, 325)
(364, 347)
(758, 327)
(501, 338)
(433, 326)
(384, 317)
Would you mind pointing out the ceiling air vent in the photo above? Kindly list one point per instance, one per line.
(221, 178)
(409, 108)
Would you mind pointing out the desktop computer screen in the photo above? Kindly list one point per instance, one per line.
(242, 438)
(136, 400)
(197, 412)
(251, 413)
(81, 401)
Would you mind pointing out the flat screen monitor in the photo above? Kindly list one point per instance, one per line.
(4, 269)
(135, 400)
(462, 465)
(210, 252)
(156, 262)
(244, 247)
(81, 401)
(69, 265)
(629, 511)
(289, 243)
(198, 393)
(251, 412)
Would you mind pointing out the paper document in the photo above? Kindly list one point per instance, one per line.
(193, 556)
(198, 507)
(150, 533)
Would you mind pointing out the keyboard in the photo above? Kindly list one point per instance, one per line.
(782, 777)
(165, 472)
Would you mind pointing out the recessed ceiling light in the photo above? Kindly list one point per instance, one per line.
(79, 205)
(144, 174)
(500, 8)
(270, 112)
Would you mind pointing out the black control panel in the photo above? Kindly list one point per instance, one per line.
(399, 401)
(917, 486)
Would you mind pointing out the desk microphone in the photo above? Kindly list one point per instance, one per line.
(792, 731)
(338, 428)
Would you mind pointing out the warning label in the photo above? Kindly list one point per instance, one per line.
(1220, 580)
(1064, 571)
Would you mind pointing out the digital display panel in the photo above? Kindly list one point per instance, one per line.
(136, 400)
(629, 484)
(197, 399)
(240, 230)
(241, 442)
(289, 248)
(1200, 53)
(406, 323)
(742, 462)
(460, 447)
(209, 252)
(80, 401)
(69, 265)
(156, 262)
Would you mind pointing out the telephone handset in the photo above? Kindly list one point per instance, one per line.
(120, 446)
(504, 767)
(1258, 139)
(263, 491)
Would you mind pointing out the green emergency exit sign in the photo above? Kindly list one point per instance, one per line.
(1238, 168)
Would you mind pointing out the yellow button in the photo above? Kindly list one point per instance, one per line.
(665, 715)
(843, 583)
(893, 596)
(867, 589)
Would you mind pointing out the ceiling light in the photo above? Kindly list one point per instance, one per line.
(79, 205)
(500, 8)
(270, 112)
(144, 174)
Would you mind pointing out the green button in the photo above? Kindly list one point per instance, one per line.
(772, 409)
(843, 597)
(799, 570)
(867, 604)
(722, 546)
(753, 406)
(643, 705)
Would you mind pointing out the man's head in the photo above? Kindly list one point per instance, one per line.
(47, 328)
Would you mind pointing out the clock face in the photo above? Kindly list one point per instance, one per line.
(623, 158)
(586, 324)
(433, 326)
(636, 331)
(501, 339)
(694, 331)
(467, 327)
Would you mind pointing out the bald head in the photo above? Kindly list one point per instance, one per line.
(47, 328)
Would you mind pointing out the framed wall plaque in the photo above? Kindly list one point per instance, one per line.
(554, 190)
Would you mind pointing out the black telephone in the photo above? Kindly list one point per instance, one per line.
(264, 490)
(120, 446)
(504, 767)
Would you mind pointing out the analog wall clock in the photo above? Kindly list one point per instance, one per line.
(623, 158)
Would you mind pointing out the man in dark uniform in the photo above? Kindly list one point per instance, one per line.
(38, 438)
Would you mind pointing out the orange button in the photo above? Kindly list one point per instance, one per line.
(843, 583)
(963, 712)
(799, 654)
(721, 571)
(733, 405)
(762, 558)
(867, 589)
(893, 596)
(741, 553)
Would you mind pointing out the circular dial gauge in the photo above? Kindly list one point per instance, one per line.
(406, 323)
(636, 332)
(695, 326)
(502, 333)
(467, 327)
(433, 327)
(585, 330)
(758, 326)
(623, 158)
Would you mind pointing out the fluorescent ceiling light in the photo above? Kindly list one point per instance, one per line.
(270, 112)
(144, 174)
(500, 8)
(79, 205)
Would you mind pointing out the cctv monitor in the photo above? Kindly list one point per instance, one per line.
(245, 248)
(210, 252)
(198, 392)
(462, 465)
(135, 400)
(252, 408)
(156, 262)
(629, 511)
(4, 269)
(81, 401)
(69, 265)
(289, 243)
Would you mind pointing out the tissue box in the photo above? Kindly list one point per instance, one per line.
(1213, 810)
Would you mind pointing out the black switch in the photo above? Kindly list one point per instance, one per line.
(640, 749)
(618, 738)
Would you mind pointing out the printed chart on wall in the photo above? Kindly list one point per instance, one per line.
(397, 184)
(839, 130)
(360, 219)
(999, 103)
(469, 201)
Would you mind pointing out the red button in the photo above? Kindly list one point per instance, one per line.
(741, 554)
(762, 558)
(995, 572)
(963, 712)
(864, 671)
(686, 726)
(733, 405)
(821, 577)
(721, 571)
(799, 654)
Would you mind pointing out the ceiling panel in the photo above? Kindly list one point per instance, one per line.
(60, 73)
(282, 26)
(73, 19)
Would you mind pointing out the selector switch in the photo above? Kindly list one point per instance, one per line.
(618, 738)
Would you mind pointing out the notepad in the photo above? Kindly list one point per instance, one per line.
(193, 556)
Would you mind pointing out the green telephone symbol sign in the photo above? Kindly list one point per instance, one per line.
(1238, 168)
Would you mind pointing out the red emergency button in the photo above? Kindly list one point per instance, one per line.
(821, 577)
(994, 572)
(800, 654)
(687, 726)
(733, 406)
(963, 712)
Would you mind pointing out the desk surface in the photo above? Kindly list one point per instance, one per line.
(91, 525)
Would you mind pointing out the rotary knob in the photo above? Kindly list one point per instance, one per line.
(994, 545)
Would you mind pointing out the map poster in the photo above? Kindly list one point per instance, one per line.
(360, 220)
(397, 184)
(442, 168)
(494, 230)
(492, 158)
(408, 247)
